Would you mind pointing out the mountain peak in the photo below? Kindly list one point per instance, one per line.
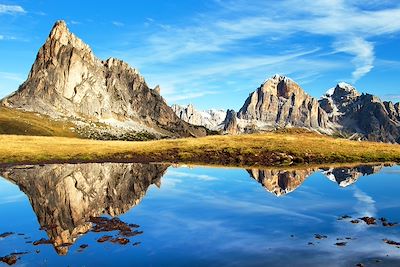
(278, 78)
(346, 89)
(62, 35)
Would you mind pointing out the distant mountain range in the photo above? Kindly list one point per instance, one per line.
(110, 100)
(281, 103)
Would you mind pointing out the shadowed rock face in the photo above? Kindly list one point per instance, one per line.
(363, 116)
(67, 80)
(281, 182)
(65, 196)
(280, 102)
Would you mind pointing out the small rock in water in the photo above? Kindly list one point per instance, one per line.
(9, 259)
(341, 244)
(354, 221)
(344, 217)
(83, 246)
(104, 238)
(388, 224)
(120, 240)
(368, 220)
(136, 244)
(42, 241)
(391, 242)
(6, 234)
(359, 265)
(319, 236)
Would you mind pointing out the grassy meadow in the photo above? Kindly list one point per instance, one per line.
(267, 149)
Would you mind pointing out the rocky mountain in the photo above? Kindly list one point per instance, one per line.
(212, 119)
(68, 81)
(65, 196)
(345, 176)
(280, 182)
(362, 116)
(280, 102)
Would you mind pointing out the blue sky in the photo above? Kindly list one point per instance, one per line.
(213, 53)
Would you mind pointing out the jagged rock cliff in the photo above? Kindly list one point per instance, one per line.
(279, 102)
(280, 182)
(65, 196)
(362, 116)
(68, 81)
(212, 119)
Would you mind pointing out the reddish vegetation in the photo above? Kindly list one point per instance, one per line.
(368, 220)
(9, 259)
(104, 238)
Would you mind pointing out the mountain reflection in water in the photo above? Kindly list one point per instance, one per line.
(65, 197)
(281, 182)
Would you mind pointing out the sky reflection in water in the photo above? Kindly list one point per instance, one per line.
(202, 216)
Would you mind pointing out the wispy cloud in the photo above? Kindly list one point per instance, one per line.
(201, 177)
(118, 23)
(391, 97)
(11, 76)
(11, 9)
(363, 52)
(349, 24)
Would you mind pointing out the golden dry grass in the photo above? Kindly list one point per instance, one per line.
(254, 149)
(13, 121)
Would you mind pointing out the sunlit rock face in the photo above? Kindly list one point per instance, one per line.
(345, 176)
(280, 182)
(65, 196)
(212, 119)
(67, 80)
(280, 102)
(362, 116)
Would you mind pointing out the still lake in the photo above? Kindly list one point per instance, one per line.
(199, 216)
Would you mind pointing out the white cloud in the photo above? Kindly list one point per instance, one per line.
(363, 52)
(11, 9)
(349, 26)
(74, 22)
(1, 37)
(11, 76)
(201, 177)
(118, 23)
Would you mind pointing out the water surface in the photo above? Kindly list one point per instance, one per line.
(200, 216)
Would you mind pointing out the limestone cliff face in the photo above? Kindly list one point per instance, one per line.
(362, 116)
(67, 80)
(230, 123)
(65, 196)
(280, 182)
(280, 102)
(212, 119)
